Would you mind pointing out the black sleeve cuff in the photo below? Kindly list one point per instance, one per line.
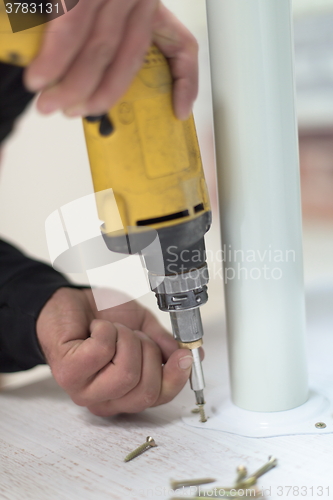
(21, 300)
(14, 97)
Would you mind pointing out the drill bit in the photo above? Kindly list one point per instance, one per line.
(187, 330)
(197, 384)
(197, 379)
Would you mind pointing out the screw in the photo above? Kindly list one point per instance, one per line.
(203, 417)
(320, 425)
(252, 480)
(190, 482)
(150, 442)
(200, 409)
(241, 474)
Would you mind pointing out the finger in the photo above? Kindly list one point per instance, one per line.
(137, 317)
(126, 311)
(146, 393)
(127, 62)
(159, 335)
(63, 39)
(82, 359)
(175, 375)
(86, 71)
(181, 48)
(118, 377)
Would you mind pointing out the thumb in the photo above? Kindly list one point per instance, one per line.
(176, 372)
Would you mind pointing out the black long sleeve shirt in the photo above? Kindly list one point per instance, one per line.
(25, 284)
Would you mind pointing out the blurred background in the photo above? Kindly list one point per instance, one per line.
(45, 163)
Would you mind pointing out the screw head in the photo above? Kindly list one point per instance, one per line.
(151, 441)
(320, 425)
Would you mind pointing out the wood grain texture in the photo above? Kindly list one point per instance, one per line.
(52, 449)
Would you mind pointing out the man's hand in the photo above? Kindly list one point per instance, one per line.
(90, 55)
(110, 361)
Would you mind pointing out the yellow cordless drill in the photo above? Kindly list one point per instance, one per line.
(149, 162)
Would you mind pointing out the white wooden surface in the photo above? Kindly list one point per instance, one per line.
(52, 449)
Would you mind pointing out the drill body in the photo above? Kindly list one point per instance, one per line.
(147, 169)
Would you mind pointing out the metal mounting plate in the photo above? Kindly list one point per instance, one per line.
(227, 417)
